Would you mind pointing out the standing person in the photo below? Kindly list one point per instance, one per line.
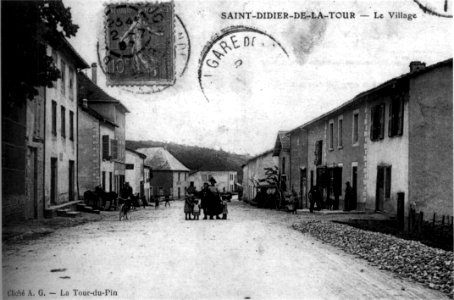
(126, 191)
(196, 209)
(205, 198)
(314, 198)
(188, 206)
(215, 206)
(191, 189)
(348, 196)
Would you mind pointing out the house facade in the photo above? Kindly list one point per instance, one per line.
(170, 176)
(94, 135)
(113, 148)
(135, 171)
(383, 142)
(225, 180)
(254, 170)
(60, 167)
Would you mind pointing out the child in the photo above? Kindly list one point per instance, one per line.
(188, 206)
(196, 209)
(224, 210)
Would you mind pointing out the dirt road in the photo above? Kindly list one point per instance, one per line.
(158, 255)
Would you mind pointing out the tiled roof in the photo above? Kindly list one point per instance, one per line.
(282, 142)
(87, 89)
(159, 159)
(96, 114)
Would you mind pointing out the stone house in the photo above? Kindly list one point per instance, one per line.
(225, 180)
(383, 142)
(135, 171)
(170, 176)
(254, 170)
(95, 136)
(115, 112)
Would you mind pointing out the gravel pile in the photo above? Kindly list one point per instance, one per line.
(429, 266)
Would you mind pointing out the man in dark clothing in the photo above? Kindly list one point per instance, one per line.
(191, 189)
(348, 196)
(126, 191)
(314, 198)
(205, 198)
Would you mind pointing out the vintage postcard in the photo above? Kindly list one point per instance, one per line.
(227, 149)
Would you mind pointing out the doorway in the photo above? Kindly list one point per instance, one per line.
(352, 205)
(383, 190)
(53, 180)
(31, 207)
(303, 189)
(71, 180)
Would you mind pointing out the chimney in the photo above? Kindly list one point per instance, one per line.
(416, 66)
(94, 74)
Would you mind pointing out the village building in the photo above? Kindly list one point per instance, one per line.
(254, 171)
(135, 171)
(225, 180)
(393, 141)
(95, 137)
(113, 147)
(170, 176)
(60, 133)
(282, 151)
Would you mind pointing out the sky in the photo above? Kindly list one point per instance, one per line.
(298, 69)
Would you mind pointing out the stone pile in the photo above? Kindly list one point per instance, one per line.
(429, 266)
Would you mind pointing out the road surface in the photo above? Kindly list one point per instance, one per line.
(158, 255)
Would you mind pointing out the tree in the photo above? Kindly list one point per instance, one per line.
(27, 26)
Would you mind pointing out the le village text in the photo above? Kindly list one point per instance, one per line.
(345, 15)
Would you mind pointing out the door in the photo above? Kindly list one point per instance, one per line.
(337, 186)
(303, 189)
(352, 205)
(380, 191)
(53, 181)
(31, 206)
(71, 180)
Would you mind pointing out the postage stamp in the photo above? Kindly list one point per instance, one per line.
(139, 44)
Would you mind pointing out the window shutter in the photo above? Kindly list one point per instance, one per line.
(400, 123)
(391, 129)
(382, 121)
(105, 147)
(114, 147)
(372, 122)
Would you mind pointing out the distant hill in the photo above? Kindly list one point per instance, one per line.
(198, 158)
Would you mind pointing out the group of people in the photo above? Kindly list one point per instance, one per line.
(316, 198)
(210, 202)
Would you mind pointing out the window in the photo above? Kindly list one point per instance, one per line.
(185, 176)
(71, 125)
(63, 121)
(37, 113)
(63, 77)
(71, 83)
(129, 166)
(283, 165)
(377, 126)
(110, 181)
(105, 147)
(178, 176)
(55, 62)
(54, 118)
(339, 132)
(355, 127)
(318, 152)
(331, 135)
(396, 117)
(204, 177)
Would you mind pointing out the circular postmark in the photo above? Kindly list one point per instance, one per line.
(237, 60)
(145, 46)
(439, 8)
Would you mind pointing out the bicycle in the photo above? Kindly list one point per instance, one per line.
(125, 208)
